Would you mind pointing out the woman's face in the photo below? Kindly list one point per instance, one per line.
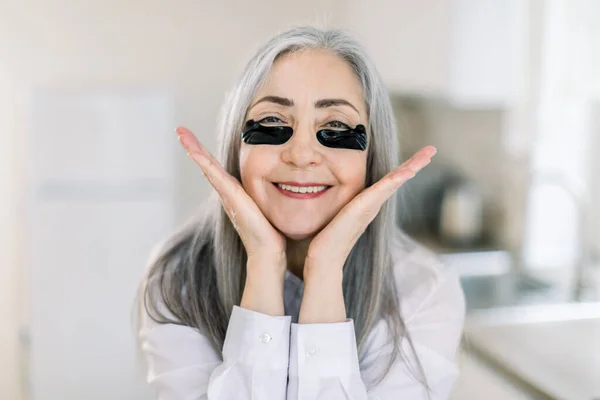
(308, 91)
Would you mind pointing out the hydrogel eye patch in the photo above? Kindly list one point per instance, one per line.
(255, 133)
(353, 139)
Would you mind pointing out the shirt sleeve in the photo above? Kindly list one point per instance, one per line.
(324, 363)
(182, 365)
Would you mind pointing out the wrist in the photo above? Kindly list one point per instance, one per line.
(263, 294)
(323, 299)
(266, 263)
(322, 269)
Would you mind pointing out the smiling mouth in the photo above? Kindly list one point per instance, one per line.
(301, 190)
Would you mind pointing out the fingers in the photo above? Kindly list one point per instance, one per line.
(194, 149)
(252, 226)
(406, 171)
(216, 175)
(371, 199)
(226, 186)
(414, 164)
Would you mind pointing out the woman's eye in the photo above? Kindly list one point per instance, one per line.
(338, 125)
(271, 120)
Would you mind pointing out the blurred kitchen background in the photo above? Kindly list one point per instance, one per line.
(92, 176)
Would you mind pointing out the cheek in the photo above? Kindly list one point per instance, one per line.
(256, 164)
(350, 170)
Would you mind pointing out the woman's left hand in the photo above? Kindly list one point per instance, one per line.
(330, 248)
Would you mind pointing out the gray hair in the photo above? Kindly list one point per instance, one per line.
(199, 273)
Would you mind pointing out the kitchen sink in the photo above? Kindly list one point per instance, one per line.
(489, 280)
(507, 290)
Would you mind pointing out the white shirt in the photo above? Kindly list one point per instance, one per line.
(275, 358)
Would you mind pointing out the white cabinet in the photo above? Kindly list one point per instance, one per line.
(464, 51)
(485, 58)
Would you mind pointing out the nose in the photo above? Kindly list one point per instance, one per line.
(302, 149)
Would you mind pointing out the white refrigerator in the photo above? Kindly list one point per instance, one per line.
(100, 194)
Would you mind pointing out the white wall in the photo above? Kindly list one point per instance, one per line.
(9, 196)
(408, 40)
(194, 48)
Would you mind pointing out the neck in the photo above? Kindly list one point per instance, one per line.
(296, 251)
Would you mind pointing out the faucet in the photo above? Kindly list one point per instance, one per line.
(581, 198)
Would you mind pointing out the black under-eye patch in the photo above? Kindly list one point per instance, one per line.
(353, 139)
(255, 133)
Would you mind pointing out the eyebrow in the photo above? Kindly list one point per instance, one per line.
(323, 103)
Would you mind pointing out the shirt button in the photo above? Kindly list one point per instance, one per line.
(265, 338)
(312, 351)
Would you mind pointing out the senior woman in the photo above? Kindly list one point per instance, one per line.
(295, 282)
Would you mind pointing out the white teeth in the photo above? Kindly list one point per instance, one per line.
(302, 189)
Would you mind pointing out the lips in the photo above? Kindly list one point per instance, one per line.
(298, 184)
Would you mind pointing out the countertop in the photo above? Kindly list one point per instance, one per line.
(560, 358)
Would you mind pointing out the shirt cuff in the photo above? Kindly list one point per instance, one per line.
(323, 350)
(257, 339)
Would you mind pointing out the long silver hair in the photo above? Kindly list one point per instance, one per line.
(198, 274)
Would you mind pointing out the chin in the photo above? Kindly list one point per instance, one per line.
(298, 236)
(299, 231)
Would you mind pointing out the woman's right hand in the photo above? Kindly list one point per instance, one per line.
(265, 246)
(261, 240)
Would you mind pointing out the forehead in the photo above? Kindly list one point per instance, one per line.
(311, 75)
